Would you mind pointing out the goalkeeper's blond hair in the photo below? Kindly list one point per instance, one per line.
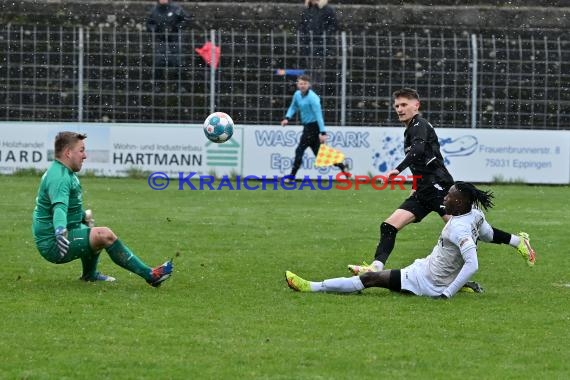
(65, 140)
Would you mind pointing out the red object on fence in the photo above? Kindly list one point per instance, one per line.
(206, 53)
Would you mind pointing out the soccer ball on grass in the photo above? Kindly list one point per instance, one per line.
(219, 127)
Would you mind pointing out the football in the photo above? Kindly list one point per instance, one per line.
(219, 127)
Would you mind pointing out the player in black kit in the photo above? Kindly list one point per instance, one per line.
(424, 159)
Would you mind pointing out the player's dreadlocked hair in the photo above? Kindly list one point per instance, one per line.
(479, 198)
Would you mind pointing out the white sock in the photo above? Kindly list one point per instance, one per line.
(338, 285)
(515, 241)
(379, 265)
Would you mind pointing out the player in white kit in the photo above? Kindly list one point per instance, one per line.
(444, 271)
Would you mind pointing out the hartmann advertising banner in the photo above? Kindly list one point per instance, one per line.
(477, 155)
(117, 149)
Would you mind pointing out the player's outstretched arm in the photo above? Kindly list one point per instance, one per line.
(470, 267)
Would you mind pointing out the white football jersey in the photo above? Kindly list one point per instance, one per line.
(441, 267)
(445, 260)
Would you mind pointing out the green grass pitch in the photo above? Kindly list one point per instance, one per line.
(227, 313)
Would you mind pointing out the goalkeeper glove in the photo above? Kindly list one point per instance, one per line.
(61, 239)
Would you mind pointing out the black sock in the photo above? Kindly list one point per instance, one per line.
(395, 282)
(386, 244)
(501, 237)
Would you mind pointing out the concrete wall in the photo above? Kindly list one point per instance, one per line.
(394, 14)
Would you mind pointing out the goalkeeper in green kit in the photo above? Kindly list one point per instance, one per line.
(64, 232)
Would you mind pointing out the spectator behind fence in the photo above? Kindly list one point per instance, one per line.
(318, 17)
(166, 21)
(317, 28)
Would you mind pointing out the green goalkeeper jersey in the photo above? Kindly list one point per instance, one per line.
(58, 203)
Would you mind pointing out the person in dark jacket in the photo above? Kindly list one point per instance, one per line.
(317, 18)
(317, 29)
(166, 21)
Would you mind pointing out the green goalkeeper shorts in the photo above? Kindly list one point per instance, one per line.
(78, 246)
